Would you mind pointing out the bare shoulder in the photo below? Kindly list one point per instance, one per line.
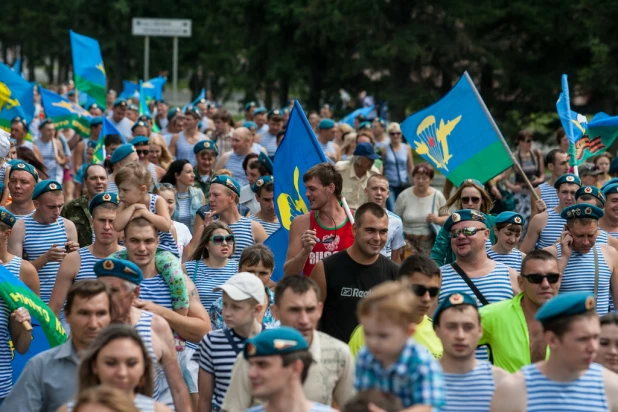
(69, 224)
(499, 374)
(510, 394)
(552, 249)
(514, 383)
(159, 325)
(301, 221)
(539, 220)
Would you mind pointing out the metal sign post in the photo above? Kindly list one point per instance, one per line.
(162, 28)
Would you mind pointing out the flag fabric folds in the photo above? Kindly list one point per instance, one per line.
(17, 66)
(457, 136)
(298, 152)
(153, 88)
(64, 113)
(591, 137)
(199, 97)
(106, 129)
(88, 69)
(128, 89)
(16, 97)
(363, 111)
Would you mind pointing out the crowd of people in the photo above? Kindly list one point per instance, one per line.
(496, 297)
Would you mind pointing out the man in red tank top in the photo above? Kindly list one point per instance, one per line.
(323, 231)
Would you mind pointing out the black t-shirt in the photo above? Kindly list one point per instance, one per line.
(347, 282)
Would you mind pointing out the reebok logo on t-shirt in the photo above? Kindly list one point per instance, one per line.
(354, 293)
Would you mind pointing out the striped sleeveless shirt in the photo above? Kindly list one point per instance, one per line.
(166, 239)
(14, 266)
(152, 169)
(512, 260)
(184, 149)
(38, 239)
(3, 171)
(6, 369)
(578, 276)
(144, 330)
(602, 237)
(184, 210)
(142, 402)
(23, 216)
(584, 394)
(269, 227)
(49, 158)
(86, 267)
(470, 391)
(243, 236)
(111, 186)
(234, 165)
(552, 231)
(549, 195)
(207, 278)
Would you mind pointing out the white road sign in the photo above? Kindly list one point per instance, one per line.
(161, 27)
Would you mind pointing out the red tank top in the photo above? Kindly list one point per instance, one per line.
(342, 238)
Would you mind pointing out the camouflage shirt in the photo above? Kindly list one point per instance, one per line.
(200, 184)
(77, 212)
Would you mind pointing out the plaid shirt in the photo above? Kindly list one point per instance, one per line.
(416, 378)
(216, 313)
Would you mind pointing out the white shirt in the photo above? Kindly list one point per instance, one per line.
(184, 235)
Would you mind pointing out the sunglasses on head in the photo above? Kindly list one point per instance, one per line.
(470, 199)
(538, 278)
(142, 152)
(219, 239)
(420, 290)
(467, 231)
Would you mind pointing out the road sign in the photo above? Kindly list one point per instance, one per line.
(161, 27)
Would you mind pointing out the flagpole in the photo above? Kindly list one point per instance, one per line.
(567, 103)
(499, 133)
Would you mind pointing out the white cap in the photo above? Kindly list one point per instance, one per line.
(243, 285)
(5, 143)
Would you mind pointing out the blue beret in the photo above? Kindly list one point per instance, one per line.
(326, 124)
(566, 304)
(121, 152)
(365, 125)
(261, 182)
(7, 217)
(265, 160)
(19, 119)
(139, 123)
(45, 186)
(173, 111)
(120, 102)
(275, 112)
(206, 145)
(119, 268)
(45, 121)
(26, 167)
(590, 190)
(95, 121)
(582, 210)
(259, 110)
(249, 105)
(92, 144)
(101, 198)
(366, 149)
(133, 107)
(194, 111)
(228, 182)
(161, 101)
(93, 106)
(277, 341)
(285, 110)
(381, 121)
(137, 140)
(71, 92)
(568, 178)
(613, 166)
(454, 299)
(610, 189)
(249, 125)
(510, 217)
(145, 117)
(463, 216)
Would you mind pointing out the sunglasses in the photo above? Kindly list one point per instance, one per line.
(394, 133)
(219, 239)
(142, 152)
(528, 140)
(467, 232)
(538, 279)
(420, 290)
(470, 199)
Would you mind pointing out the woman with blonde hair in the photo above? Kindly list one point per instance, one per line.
(341, 130)
(159, 155)
(104, 399)
(397, 162)
(348, 146)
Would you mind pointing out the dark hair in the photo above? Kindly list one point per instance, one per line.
(175, 168)
(222, 115)
(299, 285)
(140, 222)
(249, 158)
(304, 356)
(561, 325)
(500, 226)
(268, 188)
(255, 254)
(275, 118)
(280, 136)
(114, 399)
(560, 134)
(460, 308)
(418, 264)
(326, 174)
(369, 207)
(537, 254)
(609, 319)
(385, 401)
(111, 139)
(86, 289)
(201, 251)
(28, 156)
(550, 157)
(523, 135)
(423, 168)
(89, 167)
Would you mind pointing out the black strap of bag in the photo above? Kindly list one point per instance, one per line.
(470, 284)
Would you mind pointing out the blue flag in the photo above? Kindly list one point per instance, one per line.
(298, 151)
(16, 97)
(64, 113)
(363, 111)
(106, 129)
(153, 88)
(17, 66)
(128, 89)
(143, 105)
(88, 68)
(200, 96)
(457, 135)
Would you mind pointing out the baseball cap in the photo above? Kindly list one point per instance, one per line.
(243, 285)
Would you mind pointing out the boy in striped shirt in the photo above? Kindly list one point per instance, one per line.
(243, 297)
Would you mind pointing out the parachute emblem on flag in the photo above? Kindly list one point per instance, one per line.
(73, 108)
(5, 98)
(101, 67)
(290, 207)
(433, 143)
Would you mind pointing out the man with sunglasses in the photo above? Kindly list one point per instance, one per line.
(546, 228)
(557, 161)
(142, 148)
(509, 327)
(421, 274)
(586, 265)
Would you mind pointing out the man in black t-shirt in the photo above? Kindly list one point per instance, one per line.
(348, 276)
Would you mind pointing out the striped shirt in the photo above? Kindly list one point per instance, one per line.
(395, 239)
(6, 356)
(234, 165)
(470, 391)
(552, 231)
(315, 407)
(495, 287)
(14, 266)
(152, 169)
(584, 394)
(512, 259)
(549, 195)
(166, 239)
(184, 210)
(269, 142)
(243, 236)
(184, 149)
(579, 276)
(207, 278)
(111, 186)
(142, 402)
(23, 216)
(144, 330)
(216, 355)
(269, 227)
(156, 290)
(49, 159)
(38, 239)
(86, 266)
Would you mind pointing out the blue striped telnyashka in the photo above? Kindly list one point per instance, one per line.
(6, 370)
(512, 260)
(207, 278)
(584, 394)
(549, 195)
(269, 227)
(552, 231)
(86, 266)
(166, 239)
(14, 266)
(243, 236)
(144, 329)
(111, 186)
(470, 391)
